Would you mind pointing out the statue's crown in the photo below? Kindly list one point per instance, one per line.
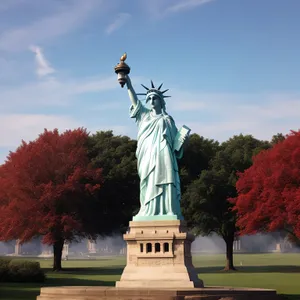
(153, 89)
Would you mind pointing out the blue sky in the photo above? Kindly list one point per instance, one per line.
(232, 66)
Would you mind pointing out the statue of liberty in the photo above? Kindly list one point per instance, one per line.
(159, 145)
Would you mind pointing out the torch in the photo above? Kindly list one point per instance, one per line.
(122, 69)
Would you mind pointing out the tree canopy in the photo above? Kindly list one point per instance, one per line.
(48, 188)
(269, 191)
(205, 202)
(277, 138)
(198, 153)
(119, 192)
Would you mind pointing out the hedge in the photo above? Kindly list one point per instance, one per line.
(14, 270)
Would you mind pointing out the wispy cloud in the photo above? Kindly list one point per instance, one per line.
(52, 92)
(117, 23)
(39, 31)
(214, 115)
(37, 96)
(43, 67)
(186, 5)
(29, 126)
(163, 8)
(220, 116)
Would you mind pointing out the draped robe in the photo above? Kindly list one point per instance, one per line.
(157, 163)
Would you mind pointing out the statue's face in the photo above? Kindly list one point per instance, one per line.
(154, 101)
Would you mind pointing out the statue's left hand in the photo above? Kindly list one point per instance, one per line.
(183, 139)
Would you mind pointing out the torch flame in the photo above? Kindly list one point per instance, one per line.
(123, 57)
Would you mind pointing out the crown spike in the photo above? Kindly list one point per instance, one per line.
(160, 86)
(141, 94)
(167, 96)
(144, 87)
(164, 91)
(152, 84)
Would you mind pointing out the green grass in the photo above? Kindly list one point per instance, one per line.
(274, 271)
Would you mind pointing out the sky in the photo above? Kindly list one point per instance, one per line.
(231, 66)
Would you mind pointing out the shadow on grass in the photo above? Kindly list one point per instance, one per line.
(253, 269)
(29, 291)
(75, 282)
(17, 293)
(289, 297)
(90, 271)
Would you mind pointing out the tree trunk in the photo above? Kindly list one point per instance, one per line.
(229, 253)
(57, 251)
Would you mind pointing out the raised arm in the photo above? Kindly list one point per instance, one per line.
(131, 92)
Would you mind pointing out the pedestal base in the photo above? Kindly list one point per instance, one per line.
(159, 256)
(112, 293)
(159, 267)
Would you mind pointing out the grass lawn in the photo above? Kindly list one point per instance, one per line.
(275, 271)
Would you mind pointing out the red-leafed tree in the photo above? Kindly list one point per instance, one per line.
(269, 191)
(48, 188)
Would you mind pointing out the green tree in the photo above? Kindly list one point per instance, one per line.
(119, 192)
(205, 202)
(197, 154)
(277, 138)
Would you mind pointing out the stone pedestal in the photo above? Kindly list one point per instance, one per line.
(92, 247)
(65, 251)
(159, 267)
(18, 248)
(112, 293)
(159, 256)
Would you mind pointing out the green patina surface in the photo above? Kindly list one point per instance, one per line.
(159, 146)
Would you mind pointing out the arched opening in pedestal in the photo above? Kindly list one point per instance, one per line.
(166, 247)
(157, 247)
(148, 247)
